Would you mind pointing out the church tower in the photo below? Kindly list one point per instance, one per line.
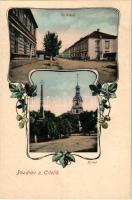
(77, 101)
(41, 112)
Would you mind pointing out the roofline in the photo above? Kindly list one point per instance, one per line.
(88, 36)
(33, 17)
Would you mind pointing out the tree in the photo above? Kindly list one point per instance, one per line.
(49, 114)
(93, 121)
(88, 121)
(51, 45)
(49, 125)
(38, 127)
(59, 126)
(64, 127)
(73, 119)
(52, 129)
(34, 126)
(67, 128)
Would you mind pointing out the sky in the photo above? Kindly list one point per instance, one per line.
(72, 24)
(59, 90)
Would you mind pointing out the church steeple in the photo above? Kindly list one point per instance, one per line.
(77, 78)
(41, 113)
(77, 88)
(77, 100)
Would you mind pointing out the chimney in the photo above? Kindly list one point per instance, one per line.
(98, 30)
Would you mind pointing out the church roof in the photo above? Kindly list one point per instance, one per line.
(77, 87)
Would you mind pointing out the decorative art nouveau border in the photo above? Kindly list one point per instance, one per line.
(22, 92)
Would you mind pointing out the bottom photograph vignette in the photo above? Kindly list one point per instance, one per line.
(63, 112)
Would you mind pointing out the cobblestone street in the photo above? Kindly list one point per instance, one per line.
(74, 143)
(107, 69)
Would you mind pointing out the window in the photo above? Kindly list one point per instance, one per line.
(32, 29)
(25, 19)
(107, 44)
(21, 15)
(30, 46)
(30, 25)
(16, 43)
(77, 111)
(97, 44)
(77, 103)
(82, 46)
(13, 10)
(17, 12)
(25, 45)
(85, 45)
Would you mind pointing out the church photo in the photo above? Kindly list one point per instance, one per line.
(64, 114)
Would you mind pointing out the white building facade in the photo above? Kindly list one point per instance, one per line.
(95, 46)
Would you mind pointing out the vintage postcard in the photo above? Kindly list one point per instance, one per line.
(66, 73)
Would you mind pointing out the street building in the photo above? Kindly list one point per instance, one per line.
(95, 46)
(40, 54)
(66, 53)
(22, 32)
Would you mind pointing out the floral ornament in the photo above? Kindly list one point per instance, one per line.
(63, 158)
(21, 92)
(105, 93)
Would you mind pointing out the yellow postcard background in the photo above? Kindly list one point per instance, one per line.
(110, 176)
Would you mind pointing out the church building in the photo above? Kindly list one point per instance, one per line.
(77, 101)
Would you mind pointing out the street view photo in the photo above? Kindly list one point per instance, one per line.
(63, 39)
(64, 114)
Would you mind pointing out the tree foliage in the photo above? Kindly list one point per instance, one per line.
(64, 127)
(73, 119)
(88, 121)
(34, 125)
(52, 127)
(52, 44)
(49, 114)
